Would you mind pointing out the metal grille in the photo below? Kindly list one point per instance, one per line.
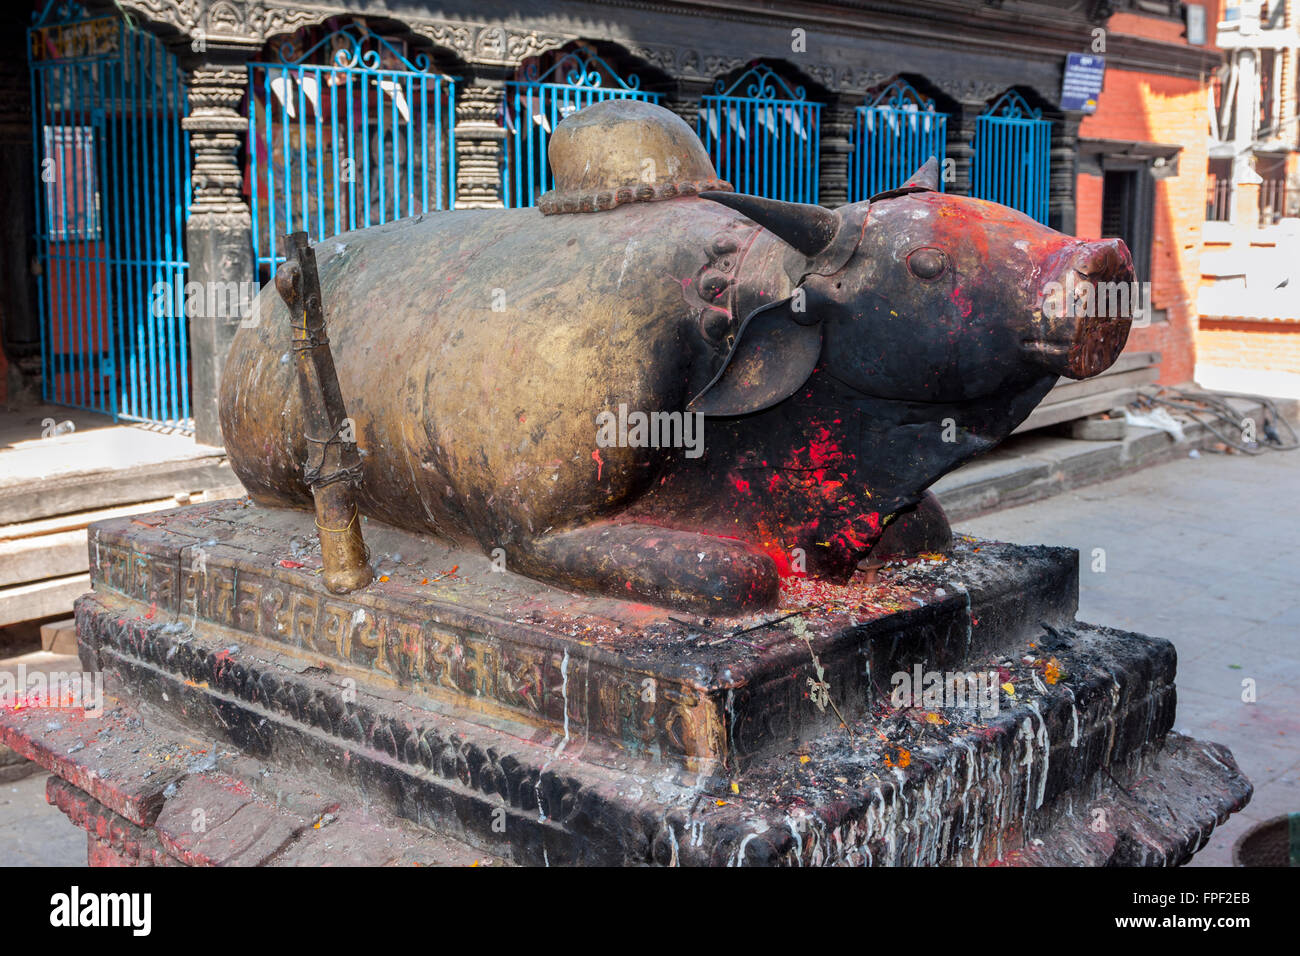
(361, 139)
(535, 104)
(1011, 150)
(893, 136)
(763, 135)
(1272, 201)
(112, 169)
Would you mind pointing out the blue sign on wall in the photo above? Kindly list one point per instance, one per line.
(1084, 74)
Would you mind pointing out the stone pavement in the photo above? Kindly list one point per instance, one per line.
(33, 833)
(1204, 552)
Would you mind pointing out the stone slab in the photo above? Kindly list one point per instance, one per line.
(1095, 429)
(100, 488)
(40, 599)
(60, 637)
(47, 556)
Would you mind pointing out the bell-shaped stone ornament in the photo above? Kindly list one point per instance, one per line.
(623, 151)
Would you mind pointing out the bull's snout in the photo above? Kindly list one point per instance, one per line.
(1088, 301)
(1107, 260)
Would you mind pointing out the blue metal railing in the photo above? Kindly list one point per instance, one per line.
(535, 104)
(892, 137)
(763, 135)
(364, 139)
(112, 167)
(1011, 152)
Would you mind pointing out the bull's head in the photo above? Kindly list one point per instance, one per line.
(920, 296)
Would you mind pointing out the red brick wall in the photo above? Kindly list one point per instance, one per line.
(1154, 108)
(1274, 346)
(1087, 199)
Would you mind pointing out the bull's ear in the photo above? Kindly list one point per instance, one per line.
(773, 355)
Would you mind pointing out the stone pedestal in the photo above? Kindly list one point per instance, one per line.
(951, 711)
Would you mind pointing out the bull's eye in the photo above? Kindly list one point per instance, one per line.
(927, 262)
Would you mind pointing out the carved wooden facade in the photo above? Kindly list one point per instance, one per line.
(967, 52)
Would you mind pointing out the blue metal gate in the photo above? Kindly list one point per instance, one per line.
(1011, 150)
(363, 138)
(892, 137)
(762, 135)
(535, 104)
(112, 168)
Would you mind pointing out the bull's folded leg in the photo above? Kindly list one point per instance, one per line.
(919, 530)
(680, 569)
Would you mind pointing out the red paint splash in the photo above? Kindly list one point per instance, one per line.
(600, 464)
(962, 301)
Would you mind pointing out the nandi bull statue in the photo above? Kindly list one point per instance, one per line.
(657, 389)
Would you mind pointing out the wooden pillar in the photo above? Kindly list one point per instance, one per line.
(1063, 173)
(961, 139)
(836, 146)
(20, 330)
(685, 99)
(480, 140)
(218, 230)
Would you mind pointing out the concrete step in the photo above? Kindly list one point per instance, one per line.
(1115, 387)
(1030, 467)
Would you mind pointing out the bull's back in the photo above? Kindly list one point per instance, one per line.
(474, 350)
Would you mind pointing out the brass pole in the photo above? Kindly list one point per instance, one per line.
(333, 467)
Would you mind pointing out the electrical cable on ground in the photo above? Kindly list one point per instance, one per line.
(1217, 411)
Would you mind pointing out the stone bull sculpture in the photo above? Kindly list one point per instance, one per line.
(538, 380)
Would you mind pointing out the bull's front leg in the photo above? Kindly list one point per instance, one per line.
(681, 569)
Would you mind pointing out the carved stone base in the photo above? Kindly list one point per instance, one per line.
(655, 684)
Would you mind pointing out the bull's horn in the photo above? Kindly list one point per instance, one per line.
(807, 228)
(924, 180)
(927, 177)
